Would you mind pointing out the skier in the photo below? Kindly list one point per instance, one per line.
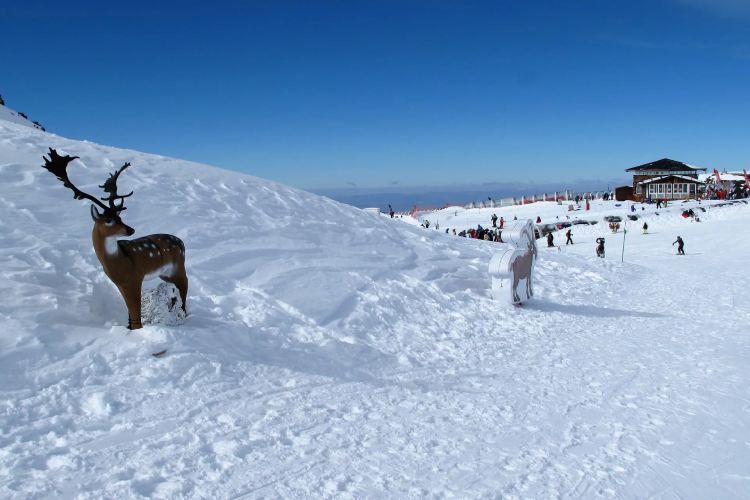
(502, 222)
(494, 220)
(550, 240)
(645, 228)
(600, 247)
(680, 246)
(390, 211)
(538, 220)
(569, 236)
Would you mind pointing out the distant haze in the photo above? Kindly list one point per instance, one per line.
(404, 198)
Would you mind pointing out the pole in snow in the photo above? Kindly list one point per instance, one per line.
(624, 233)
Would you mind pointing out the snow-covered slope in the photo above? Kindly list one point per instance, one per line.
(8, 115)
(332, 352)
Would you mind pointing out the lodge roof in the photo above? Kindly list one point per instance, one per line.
(665, 165)
(671, 176)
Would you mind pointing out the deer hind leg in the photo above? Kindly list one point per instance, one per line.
(180, 280)
(132, 296)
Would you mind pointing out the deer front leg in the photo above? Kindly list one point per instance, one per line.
(132, 295)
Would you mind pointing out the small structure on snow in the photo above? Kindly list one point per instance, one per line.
(512, 270)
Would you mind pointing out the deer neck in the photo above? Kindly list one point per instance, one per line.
(106, 248)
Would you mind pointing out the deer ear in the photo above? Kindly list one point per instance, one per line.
(95, 214)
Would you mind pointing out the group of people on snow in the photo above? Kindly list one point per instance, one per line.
(495, 233)
(481, 233)
(495, 221)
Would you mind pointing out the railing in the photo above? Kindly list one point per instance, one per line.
(559, 196)
(524, 200)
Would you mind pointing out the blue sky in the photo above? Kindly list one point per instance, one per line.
(440, 93)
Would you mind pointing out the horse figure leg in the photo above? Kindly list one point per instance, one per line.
(516, 278)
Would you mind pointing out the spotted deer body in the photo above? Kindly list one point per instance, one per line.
(127, 263)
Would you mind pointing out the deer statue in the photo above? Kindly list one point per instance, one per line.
(126, 262)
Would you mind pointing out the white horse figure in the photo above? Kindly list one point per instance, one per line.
(513, 268)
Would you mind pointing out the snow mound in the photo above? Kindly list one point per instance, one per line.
(162, 306)
(328, 352)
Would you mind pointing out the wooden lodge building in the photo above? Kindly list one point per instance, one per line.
(663, 179)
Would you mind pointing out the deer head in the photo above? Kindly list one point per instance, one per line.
(110, 217)
(125, 262)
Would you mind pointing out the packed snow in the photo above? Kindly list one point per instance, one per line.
(331, 352)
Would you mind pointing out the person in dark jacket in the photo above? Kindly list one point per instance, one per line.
(569, 236)
(600, 247)
(494, 220)
(645, 228)
(680, 246)
(550, 240)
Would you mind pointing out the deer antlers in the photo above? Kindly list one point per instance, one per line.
(58, 165)
(110, 186)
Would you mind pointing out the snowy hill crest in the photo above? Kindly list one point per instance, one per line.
(8, 115)
(331, 352)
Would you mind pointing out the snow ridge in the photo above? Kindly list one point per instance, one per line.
(8, 115)
(332, 352)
